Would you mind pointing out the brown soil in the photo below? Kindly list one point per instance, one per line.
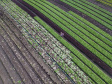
(19, 59)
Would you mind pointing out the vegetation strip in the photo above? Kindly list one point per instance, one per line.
(85, 17)
(31, 41)
(80, 26)
(85, 41)
(106, 2)
(97, 7)
(106, 35)
(92, 28)
(43, 16)
(103, 21)
(84, 30)
(95, 11)
(66, 44)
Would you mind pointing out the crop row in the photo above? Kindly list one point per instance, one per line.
(105, 2)
(77, 55)
(81, 24)
(86, 11)
(73, 55)
(62, 63)
(95, 10)
(101, 34)
(92, 37)
(110, 1)
(95, 33)
(58, 37)
(52, 65)
(76, 36)
(92, 11)
(78, 22)
(97, 7)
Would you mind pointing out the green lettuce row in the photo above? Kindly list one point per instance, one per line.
(68, 70)
(109, 1)
(62, 64)
(86, 22)
(32, 42)
(90, 11)
(97, 7)
(96, 69)
(90, 15)
(93, 9)
(71, 48)
(109, 4)
(80, 28)
(95, 28)
(78, 55)
(98, 54)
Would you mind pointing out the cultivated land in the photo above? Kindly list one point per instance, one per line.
(32, 51)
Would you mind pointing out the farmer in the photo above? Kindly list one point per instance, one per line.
(61, 34)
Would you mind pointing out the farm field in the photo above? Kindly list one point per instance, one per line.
(55, 42)
(106, 2)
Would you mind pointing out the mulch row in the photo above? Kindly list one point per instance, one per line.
(74, 42)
